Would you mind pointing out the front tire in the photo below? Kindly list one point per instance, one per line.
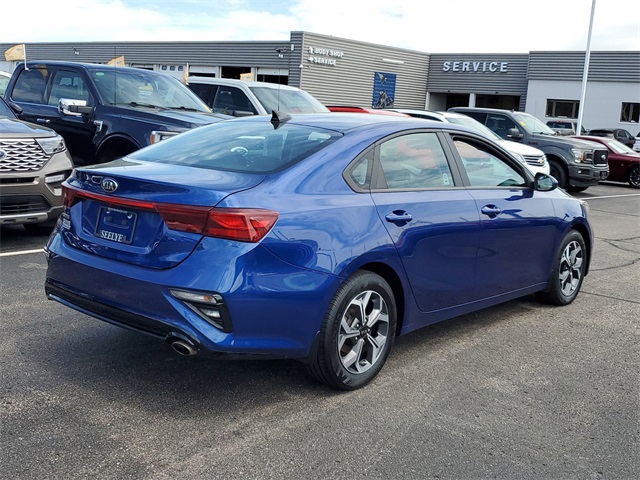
(633, 176)
(557, 171)
(357, 333)
(568, 271)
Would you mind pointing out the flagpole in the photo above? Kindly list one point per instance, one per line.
(585, 73)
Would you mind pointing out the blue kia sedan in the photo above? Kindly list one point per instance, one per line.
(315, 237)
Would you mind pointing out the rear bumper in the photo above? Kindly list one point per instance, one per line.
(268, 320)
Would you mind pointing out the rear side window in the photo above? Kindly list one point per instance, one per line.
(239, 146)
(414, 161)
(30, 85)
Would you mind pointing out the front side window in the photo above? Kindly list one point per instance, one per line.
(68, 84)
(630, 112)
(484, 167)
(415, 161)
(500, 124)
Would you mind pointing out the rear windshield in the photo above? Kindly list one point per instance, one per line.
(240, 146)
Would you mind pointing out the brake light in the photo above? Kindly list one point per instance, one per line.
(241, 224)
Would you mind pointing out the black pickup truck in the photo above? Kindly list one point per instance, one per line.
(104, 112)
(576, 164)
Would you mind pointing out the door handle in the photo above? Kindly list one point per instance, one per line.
(491, 211)
(398, 216)
(43, 120)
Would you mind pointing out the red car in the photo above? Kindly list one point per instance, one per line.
(340, 108)
(624, 163)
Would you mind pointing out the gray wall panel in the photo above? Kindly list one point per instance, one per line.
(603, 66)
(350, 80)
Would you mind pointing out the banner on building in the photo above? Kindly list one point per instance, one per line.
(384, 90)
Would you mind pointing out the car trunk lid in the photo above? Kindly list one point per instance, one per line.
(148, 214)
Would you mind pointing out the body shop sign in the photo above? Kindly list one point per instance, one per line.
(476, 67)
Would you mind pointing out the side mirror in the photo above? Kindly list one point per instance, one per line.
(514, 133)
(544, 183)
(16, 108)
(73, 108)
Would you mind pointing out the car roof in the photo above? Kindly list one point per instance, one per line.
(345, 121)
(235, 81)
(89, 66)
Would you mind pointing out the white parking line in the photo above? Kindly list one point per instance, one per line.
(22, 252)
(612, 196)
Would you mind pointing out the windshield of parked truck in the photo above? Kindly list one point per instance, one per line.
(532, 124)
(137, 87)
(287, 100)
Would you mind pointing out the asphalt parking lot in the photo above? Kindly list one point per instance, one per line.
(521, 390)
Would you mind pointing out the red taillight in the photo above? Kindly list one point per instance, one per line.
(68, 196)
(242, 224)
(184, 218)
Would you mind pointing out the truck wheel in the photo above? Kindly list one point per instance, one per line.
(558, 172)
(357, 333)
(633, 176)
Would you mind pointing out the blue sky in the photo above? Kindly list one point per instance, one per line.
(437, 26)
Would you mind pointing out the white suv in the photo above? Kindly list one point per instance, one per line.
(241, 98)
(535, 160)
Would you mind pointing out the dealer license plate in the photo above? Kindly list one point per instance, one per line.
(116, 225)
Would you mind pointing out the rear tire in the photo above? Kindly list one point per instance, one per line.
(357, 333)
(633, 176)
(567, 274)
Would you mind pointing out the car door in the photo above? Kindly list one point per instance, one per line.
(77, 130)
(431, 218)
(519, 225)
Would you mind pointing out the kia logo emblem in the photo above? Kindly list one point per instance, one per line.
(109, 185)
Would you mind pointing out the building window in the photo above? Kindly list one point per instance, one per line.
(630, 112)
(563, 108)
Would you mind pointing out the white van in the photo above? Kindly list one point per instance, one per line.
(241, 98)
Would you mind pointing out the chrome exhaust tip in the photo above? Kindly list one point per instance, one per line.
(183, 347)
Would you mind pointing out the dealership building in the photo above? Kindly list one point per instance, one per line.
(340, 71)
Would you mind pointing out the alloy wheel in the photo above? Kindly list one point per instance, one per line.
(363, 332)
(570, 272)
